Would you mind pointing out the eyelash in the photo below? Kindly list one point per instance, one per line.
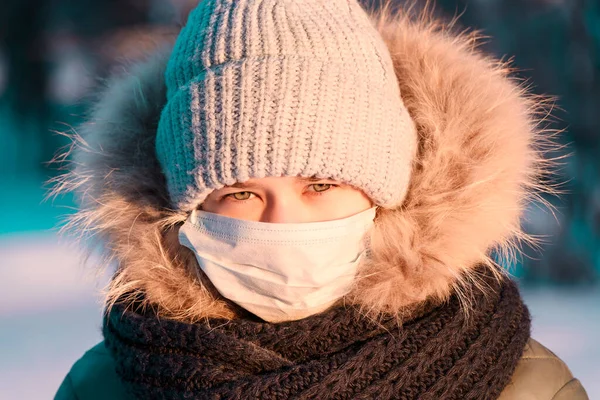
(313, 193)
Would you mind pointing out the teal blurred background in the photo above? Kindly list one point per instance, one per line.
(54, 53)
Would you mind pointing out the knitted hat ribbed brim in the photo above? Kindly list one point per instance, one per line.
(260, 88)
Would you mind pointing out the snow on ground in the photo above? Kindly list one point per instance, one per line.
(49, 316)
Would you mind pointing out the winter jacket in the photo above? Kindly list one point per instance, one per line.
(478, 164)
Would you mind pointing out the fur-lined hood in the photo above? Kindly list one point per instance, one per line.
(479, 162)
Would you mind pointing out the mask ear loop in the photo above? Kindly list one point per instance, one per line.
(367, 238)
(378, 210)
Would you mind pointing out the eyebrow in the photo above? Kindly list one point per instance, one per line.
(299, 179)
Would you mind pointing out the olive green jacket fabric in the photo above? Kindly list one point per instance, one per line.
(540, 375)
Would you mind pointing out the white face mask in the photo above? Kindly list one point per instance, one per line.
(278, 271)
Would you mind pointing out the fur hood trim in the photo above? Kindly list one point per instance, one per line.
(480, 160)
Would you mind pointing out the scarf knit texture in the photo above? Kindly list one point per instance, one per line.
(442, 353)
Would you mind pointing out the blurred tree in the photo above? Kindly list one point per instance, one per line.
(41, 36)
(22, 24)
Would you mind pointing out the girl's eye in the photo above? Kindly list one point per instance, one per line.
(321, 187)
(241, 195)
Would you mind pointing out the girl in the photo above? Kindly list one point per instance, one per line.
(302, 198)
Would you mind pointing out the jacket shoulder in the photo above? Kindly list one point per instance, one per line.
(93, 376)
(541, 375)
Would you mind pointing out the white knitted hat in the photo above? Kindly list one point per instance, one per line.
(260, 88)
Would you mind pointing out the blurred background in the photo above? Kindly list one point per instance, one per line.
(54, 53)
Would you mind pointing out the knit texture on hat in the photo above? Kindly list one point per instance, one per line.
(260, 88)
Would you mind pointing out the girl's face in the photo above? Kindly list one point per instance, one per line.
(287, 199)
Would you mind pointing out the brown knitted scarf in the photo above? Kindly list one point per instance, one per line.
(442, 354)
